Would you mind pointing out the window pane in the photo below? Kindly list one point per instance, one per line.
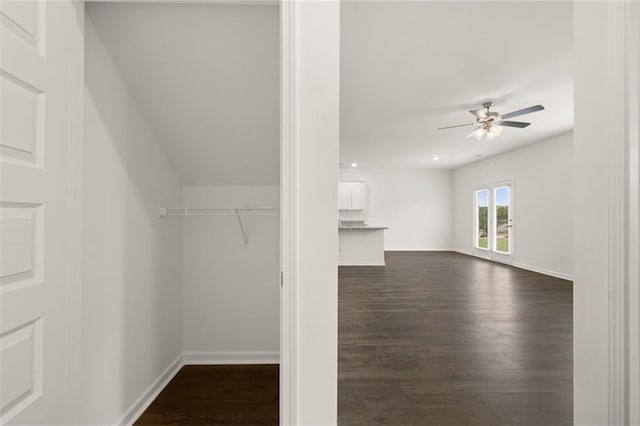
(502, 219)
(482, 218)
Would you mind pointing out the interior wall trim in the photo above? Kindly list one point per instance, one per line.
(543, 271)
(418, 249)
(145, 399)
(148, 395)
(289, 212)
(361, 263)
(633, 253)
(75, 184)
(620, 39)
(519, 265)
(231, 358)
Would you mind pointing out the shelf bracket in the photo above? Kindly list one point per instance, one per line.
(244, 234)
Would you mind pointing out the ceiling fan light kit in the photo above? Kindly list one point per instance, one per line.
(490, 123)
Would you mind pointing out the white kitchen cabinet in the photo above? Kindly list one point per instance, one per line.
(358, 194)
(352, 195)
(344, 196)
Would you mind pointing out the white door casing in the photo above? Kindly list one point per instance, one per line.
(39, 80)
(605, 296)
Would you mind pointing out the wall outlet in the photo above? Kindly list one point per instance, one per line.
(561, 259)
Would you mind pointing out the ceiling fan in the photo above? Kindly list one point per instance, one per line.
(490, 123)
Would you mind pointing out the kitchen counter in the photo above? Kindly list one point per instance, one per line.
(361, 245)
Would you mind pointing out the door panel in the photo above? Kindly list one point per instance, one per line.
(493, 225)
(501, 221)
(34, 159)
(481, 237)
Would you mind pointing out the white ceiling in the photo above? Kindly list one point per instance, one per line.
(207, 79)
(408, 68)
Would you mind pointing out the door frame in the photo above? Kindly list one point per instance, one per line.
(289, 345)
(508, 259)
(75, 211)
(606, 347)
(622, 108)
(623, 393)
(489, 253)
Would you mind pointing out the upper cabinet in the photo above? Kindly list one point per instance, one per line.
(344, 196)
(358, 194)
(352, 195)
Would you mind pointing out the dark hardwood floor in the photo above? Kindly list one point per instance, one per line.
(217, 395)
(446, 339)
(433, 338)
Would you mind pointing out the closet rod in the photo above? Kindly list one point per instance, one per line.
(204, 211)
(238, 212)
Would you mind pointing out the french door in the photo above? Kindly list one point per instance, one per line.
(493, 222)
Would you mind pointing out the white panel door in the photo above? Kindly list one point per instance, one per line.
(344, 196)
(35, 133)
(358, 194)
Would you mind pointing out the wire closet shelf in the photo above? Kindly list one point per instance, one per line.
(238, 212)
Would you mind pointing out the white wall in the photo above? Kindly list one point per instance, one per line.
(230, 292)
(132, 317)
(542, 175)
(416, 205)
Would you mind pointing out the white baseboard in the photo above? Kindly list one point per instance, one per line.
(361, 263)
(192, 358)
(239, 357)
(418, 249)
(521, 266)
(146, 398)
(461, 251)
(544, 271)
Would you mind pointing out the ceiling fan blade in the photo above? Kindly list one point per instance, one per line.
(519, 124)
(523, 111)
(457, 125)
(480, 115)
(477, 133)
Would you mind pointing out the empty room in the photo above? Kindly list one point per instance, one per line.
(316, 213)
(455, 209)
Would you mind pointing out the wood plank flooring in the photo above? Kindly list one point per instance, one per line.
(433, 338)
(244, 395)
(446, 339)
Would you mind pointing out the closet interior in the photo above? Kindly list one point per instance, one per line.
(181, 199)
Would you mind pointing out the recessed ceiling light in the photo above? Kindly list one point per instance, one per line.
(354, 164)
(436, 158)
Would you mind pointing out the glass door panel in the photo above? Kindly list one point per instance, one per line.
(482, 219)
(501, 213)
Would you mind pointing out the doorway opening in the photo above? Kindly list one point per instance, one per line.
(462, 241)
(181, 207)
(494, 213)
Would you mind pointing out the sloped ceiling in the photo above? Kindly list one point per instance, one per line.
(408, 68)
(206, 76)
(207, 79)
